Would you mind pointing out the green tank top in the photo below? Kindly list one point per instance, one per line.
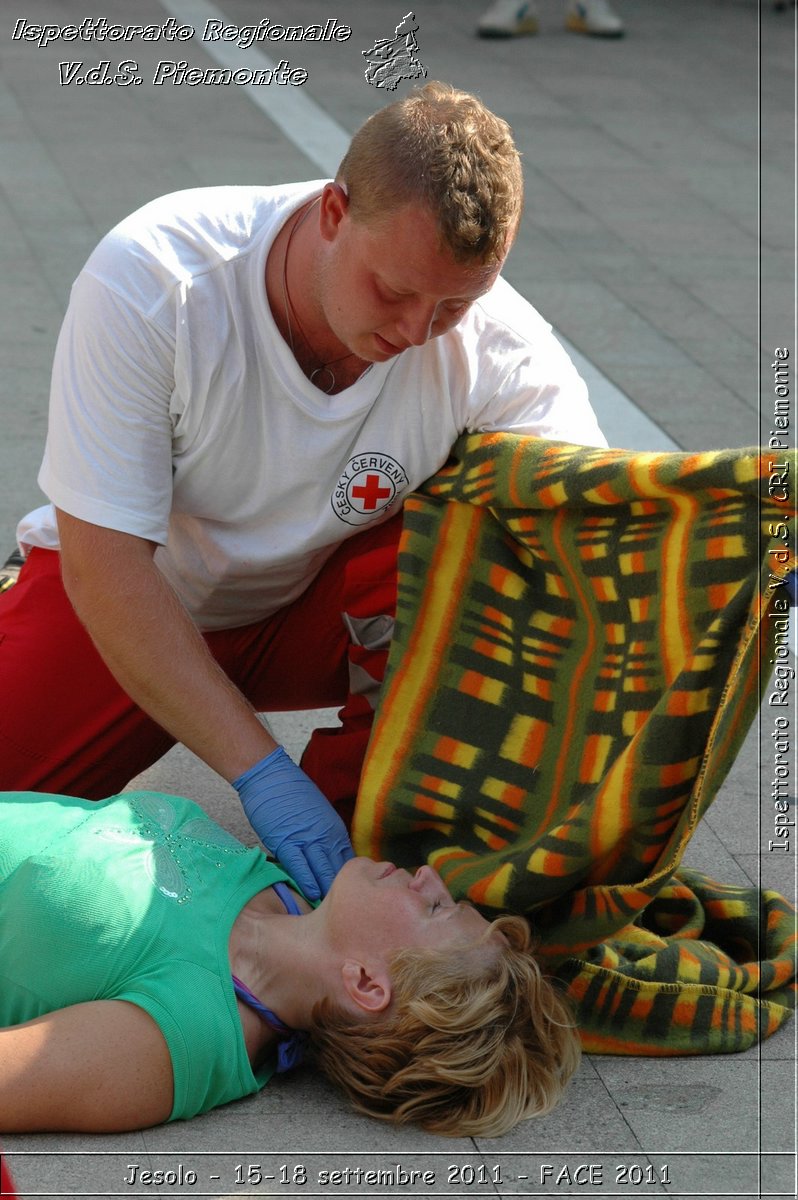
(132, 898)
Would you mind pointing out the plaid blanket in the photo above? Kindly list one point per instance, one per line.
(583, 639)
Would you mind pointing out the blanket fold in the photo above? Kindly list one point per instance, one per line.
(583, 639)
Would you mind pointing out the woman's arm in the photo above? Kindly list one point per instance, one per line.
(99, 1067)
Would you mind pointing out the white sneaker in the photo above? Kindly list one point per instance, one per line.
(507, 18)
(594, 17)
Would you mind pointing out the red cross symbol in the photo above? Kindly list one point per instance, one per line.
(371, 493)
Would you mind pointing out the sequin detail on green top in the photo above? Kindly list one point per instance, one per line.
(166, 863)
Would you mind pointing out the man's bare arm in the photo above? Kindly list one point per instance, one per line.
(153, 648)
(156, 653)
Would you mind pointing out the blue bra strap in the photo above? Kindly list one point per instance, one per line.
(290, 1047)
(288, 898)
(271, 1019)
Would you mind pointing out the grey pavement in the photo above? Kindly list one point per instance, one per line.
(659, 240)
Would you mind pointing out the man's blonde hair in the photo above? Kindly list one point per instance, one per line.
(463, 1049)
(445, 149)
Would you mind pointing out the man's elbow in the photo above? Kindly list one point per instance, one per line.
(96, 561)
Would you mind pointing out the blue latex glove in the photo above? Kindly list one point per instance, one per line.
(295, 822)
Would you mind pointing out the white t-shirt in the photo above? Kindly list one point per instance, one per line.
(179, 414)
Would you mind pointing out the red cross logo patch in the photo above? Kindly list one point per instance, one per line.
(368, 486)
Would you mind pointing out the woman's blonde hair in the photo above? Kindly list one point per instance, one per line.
(463, 1049)
(443, 148)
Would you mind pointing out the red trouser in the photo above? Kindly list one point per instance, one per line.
(66, 726)
(6, 1182)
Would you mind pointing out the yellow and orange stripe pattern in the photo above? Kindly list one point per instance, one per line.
(583, 638)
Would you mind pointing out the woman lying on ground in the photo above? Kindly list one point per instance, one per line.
(152, 967)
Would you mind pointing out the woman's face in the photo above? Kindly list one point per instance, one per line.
(379, 907)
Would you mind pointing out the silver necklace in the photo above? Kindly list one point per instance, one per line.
(324, 367)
